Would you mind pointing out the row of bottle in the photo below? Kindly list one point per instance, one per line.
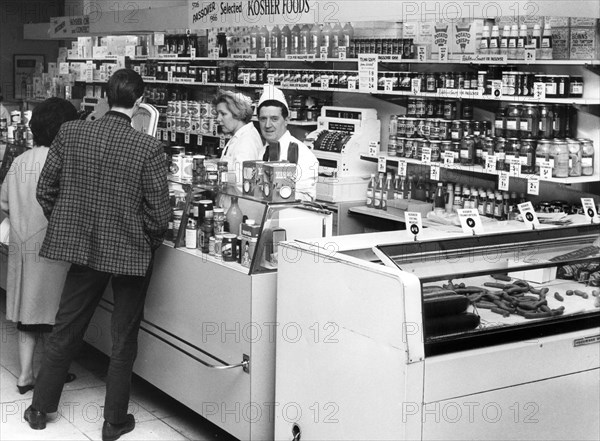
(447, 197)
(300, 39)
(513, 41)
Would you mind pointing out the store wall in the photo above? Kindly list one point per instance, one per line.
(13, 14)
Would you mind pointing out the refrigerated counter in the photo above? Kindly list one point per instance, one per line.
(451, 337)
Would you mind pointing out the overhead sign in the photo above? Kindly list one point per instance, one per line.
(69, 27)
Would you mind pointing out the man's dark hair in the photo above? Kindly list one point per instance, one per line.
(47, 117)
(124, 87)
(274, 103)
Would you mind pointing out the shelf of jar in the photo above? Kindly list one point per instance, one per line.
(382, 58)
(481, 170)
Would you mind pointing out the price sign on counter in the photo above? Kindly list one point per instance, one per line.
(503, 179)
(381, 164)
(529, 216)
(402, 168)
(490, 164)
(373, 148)
(533, 185)
(515, 167)
(434, 174)
(414, 223)
(448, 158)
(470, 220)
(589, 208)
(426, 155)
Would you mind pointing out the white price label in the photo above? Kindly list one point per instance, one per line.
(503, 179)
(545, 171)
(200, 139)
(373, 148)
(388, 85)
(470, 220)
(533, 185)
(351, 84)
(539, 91)
(589, 208)
(528, 213)
(173, 136)
(402, 166)
(529, 55)
(434, 173)
(170, 76)
(515, 167)
(414, 223)
(271, 79)
(193, 53)
(490, 164)
(205, 77)
(415, 85)
(422, 53)
(381, 164)
(246, 78)
(443, 54)
(324, 52)
(268, 52)
(186, 138)
(342, 52)
(159, 39)
(496, 88)
(426, 155)
(165, 136)
(448, 158)
(324, 82)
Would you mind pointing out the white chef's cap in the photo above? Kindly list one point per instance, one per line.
(272, 93)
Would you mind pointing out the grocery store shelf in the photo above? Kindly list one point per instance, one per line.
(479, 169)
(373, 212)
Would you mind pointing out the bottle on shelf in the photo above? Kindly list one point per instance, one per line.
(387, 193)
(495, 41)
(484, 43)
(348, 36)
(234, 216)
(504, 40)
(327, 38)
(262, 42)
(337, 37)
(315, 40)
(522, 41)
(378, 191)
(481, 207)
(397, 188)
(408, 195)
(305, 39)
(457, 203)
(546, 43)
(419, 190)
(295, 40)
(275, 43)
(536, 40)
(512, 42)
(587, 157)
(498, 206)
(254, 40)
(449, 198)
(466, 195)
(439, 201)
(371, 192)
(286, 41)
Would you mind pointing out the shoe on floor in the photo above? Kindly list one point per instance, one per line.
(35, 418)
(112, 432)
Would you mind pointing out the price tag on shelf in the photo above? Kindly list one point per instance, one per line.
(204, 77)
(589, 208)
(496, 88)
(529, 216)
(159, 134)
(192, 53)
(415, 85)
(342, 52)
(434, 173)
(503, 179)
(546, 170)
(324, 52)
(186, 138)
(530, 54)
(351, 84)
(515, 167)
(270, 79)
(267, 52)
(448, 158)
(381, 164)
(173, 136)
(170, 76)
(221, 143)
(539, 91)
(426, 155)
(165, 135)
(414, 223)
(159, 39)
(200, 140)
(443, 54)
(402, 166)
(89, 71)
(533, 185)
(470, 220)
(324, 82)
(246, 78)
(422, 53)
(490, 164)
(373, 148)
(388, 85)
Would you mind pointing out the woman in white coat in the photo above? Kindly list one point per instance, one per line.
(34, 284)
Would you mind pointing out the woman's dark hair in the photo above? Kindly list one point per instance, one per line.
(47, 117)
(124, 87)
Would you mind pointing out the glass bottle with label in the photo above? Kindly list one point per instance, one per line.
(449, 198)
(527, 156)
(500, 153)
(499, 121)
(495, 41)
(512, 121)
(371, 191)
(378, 191)
(543, 154)
(484, 44)
(587, 157)
(575, 156)
(530, 121)
(560, 154)
(546, 121)
(467, 150)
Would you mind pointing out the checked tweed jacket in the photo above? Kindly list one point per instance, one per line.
(105, 193)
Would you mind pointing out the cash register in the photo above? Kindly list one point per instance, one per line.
(342, 135)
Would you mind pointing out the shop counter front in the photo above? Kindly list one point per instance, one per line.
(453, 336)
(208, 333)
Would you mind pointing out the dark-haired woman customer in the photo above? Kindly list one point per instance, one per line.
(34, 284)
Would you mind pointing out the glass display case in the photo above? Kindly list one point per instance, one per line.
(479, 291)
(245, 230)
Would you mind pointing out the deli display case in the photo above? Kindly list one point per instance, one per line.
(485, 337)
(207, 336)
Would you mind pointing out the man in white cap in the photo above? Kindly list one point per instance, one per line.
(273, 117)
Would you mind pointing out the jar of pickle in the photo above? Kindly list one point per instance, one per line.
(575, 156)
(499, 122)
(511, 152)
(456, 130)
(587, 157)
(467, 150)
(560, 154)
(543, 154)
(527, 156)
(512, 121)
(546, 121)
(500, 152)
(436, 148)
(530, 121)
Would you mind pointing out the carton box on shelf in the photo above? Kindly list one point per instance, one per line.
(460, 38)
(583, 39)
(560, 43)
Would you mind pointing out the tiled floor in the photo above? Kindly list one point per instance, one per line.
(158, 417)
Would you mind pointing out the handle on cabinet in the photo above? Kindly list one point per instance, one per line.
(245, 364)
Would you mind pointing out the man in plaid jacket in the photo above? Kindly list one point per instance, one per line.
(105, 193)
